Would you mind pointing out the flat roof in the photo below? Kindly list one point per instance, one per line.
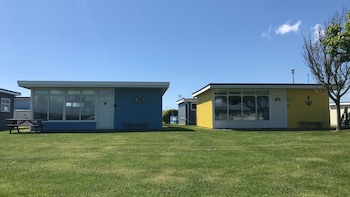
(341, 103)
(10, 92)
(255, 86)
(93, 84)
(186, 100)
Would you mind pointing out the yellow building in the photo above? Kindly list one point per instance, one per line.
(333, 111)
(257, 106)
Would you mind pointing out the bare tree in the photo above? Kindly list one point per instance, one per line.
(328, 56)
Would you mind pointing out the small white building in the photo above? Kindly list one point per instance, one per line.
(333, 111)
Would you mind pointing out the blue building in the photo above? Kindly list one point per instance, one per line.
(91, 105)
(187, 111)
(6, 106)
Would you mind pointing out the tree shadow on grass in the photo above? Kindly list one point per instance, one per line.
(175, 128)
(165, 128)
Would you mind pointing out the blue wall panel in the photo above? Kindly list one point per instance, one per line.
(130, 108)
(69, 126)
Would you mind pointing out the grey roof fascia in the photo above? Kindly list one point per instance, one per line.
(10, 92)
(92, 84)
(255, 86)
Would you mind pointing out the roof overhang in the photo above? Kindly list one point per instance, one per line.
(93, 84)
(255, 86)
(186, 100)
(341, 103)
(10, 92)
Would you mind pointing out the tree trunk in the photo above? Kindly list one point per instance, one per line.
(339, 119)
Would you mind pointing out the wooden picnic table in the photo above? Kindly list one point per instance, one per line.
(15, 123)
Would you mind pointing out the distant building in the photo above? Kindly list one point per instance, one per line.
(255, 106)
(187, 111)
(6, 106)
(22, 103)
(333, 111)
(22, 108)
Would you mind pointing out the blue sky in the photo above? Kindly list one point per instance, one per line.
(187, 43)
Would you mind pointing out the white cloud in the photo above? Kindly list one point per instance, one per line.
(287, 28)
(267, 33)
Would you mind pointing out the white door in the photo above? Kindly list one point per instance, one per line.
(105, 109)
(278, 109)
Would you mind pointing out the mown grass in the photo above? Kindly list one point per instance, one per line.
(180, 162)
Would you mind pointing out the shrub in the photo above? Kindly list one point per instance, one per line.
(167, 113)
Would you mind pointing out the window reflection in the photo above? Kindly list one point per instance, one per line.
(235, 108)
(40, 104)
(263, 107)
(64, 105)
(56, 107)
(220, 107)
(241, 106)
(249, 108)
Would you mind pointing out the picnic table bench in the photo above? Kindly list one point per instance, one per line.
(135, 125)
(304, 124)
(15, 123)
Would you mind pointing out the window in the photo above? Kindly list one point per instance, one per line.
(193, 106)
(41, 104)
(263, 107)
(88, 105)
(56, 105)
(249, 108)
(73, 105)
(64, 104)
(235, 107)
(5, 105)
(241, 105)
(220, 107)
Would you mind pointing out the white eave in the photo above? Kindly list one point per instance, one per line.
(92, 84)
(256, 86)
(186, 100)
(341, 104)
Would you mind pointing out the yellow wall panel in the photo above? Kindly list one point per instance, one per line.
(205, 110)
(307, 105)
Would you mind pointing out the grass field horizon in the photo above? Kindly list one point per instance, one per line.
(184, 161)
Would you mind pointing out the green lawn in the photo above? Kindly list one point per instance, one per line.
(182, 162)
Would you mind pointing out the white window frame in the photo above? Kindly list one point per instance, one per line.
(8, 104)
(242, 94)
(68, 104)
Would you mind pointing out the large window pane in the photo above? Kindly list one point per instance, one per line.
(220, 107)
(235, 107)
(56, 92)
(73, 105)
(249, 108)
(220, 101)
(87, 107)
(56, 107)
(64, 105)
(220, 114)
(242, 105)
(263, 107)
(41, 104)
